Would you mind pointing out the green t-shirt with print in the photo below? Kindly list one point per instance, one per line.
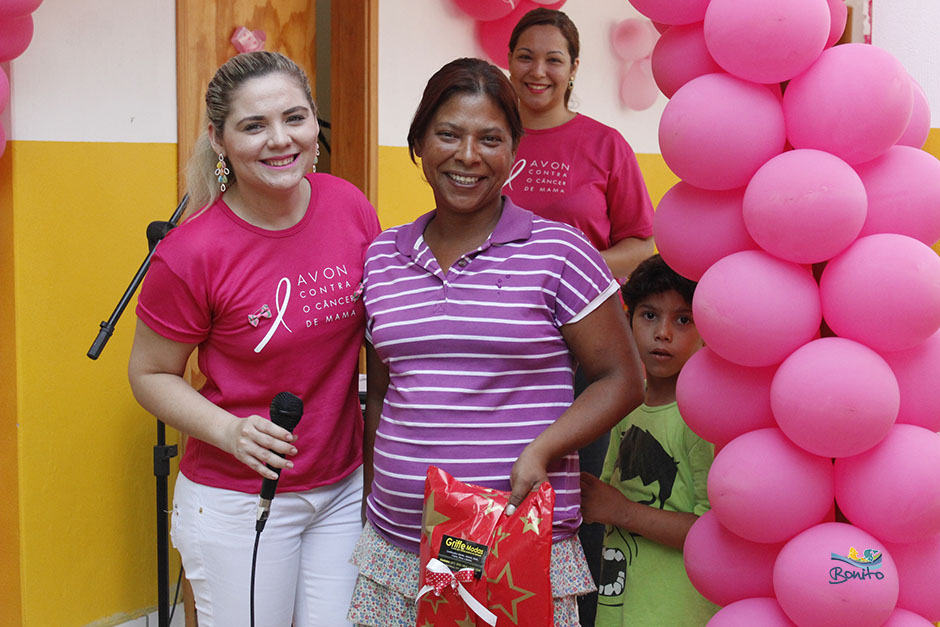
(654, 459)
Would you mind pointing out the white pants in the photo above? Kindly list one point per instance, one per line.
(303, 573)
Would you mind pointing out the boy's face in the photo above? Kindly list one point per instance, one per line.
(665, 333)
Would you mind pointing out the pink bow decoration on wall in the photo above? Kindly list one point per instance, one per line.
(246, 40)
(633, 41)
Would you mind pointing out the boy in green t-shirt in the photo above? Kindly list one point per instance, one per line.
(653, 486)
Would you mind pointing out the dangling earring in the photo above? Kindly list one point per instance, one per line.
(316, 159)
(222, 172)
(571, 83)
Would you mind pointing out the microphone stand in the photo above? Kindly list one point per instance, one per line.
(155, 232)
(162, 454)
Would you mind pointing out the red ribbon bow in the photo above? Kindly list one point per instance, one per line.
(438, 576)
(439, 581)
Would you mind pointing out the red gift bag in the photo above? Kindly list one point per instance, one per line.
(479, 567)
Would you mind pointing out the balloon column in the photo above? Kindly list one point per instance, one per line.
(495, 20)
(806, 212)
(16, 31)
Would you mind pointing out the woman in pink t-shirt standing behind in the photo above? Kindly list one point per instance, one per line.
(573, 169)
(570, 167)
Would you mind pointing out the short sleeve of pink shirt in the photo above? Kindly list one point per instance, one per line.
(271, 311)
(585, 174)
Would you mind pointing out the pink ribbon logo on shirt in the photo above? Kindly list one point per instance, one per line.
(279, 319)
(517, 169)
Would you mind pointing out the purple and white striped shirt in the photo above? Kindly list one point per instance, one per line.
(477, 363)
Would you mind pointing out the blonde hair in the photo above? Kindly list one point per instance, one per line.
(201, 181)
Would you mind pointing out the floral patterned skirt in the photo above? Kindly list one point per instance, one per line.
(388, 582)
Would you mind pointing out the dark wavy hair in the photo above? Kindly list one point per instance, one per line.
(654, 276)
(465, 76)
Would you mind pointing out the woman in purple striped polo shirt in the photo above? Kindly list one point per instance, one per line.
(476, 315)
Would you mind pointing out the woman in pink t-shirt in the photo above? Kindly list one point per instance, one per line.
(570, 167)
(573, 169)
(263, 280)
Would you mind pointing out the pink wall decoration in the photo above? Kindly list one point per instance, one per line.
(632, 41)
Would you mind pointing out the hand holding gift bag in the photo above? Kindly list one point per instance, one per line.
(478, 566)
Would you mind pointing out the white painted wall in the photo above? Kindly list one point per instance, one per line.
(97, 71)
(417, 37)
(908, 29)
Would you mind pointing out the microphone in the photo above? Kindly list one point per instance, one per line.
(286, 411)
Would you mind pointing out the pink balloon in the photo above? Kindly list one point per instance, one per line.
(766, 41)
(902, 471)
(725, 567)
(694, 228)
(901, 273)
(486, 10)
(717, 130)
(633, 39)
(662, 28)
(672, 11)
(4, 90)
(818, 585)
(17, 8)
(915, 135)
(805, 206)
(903, 189)
(763, 611)
(493, 35)
(754, 309)
(918, 564)
(765, 489)
(720, 400)
(834, 397)
(681, 55)
(916, 372)
(838, 13)
(638, 90)
(903, 618)
(855, 101)
(15, 35)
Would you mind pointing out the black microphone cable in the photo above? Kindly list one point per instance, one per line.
(286, 412)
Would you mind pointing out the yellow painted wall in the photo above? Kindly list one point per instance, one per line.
(933, 147)
(86, 538)
(9, 468)
(403, 193)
